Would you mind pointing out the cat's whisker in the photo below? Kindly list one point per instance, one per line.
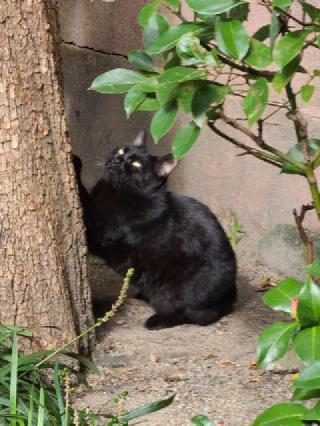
(99, 164)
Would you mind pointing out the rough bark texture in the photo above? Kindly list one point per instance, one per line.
(43, 272)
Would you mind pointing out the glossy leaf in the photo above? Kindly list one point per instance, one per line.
(307, 344)
(240, 12)
(184, 140)
(259, 55)
(296, 153)
(282, 3)
(204, 98)
(119, 80)
(186, 93)
(312, 11)
(280, 297)
(314, 268)
(274, 28)
(274, 342)
(309, 305)
(288, 47)
(166, 92)
(163, 120)
(181, 74)
(282, 78)
(141, 60)
(202, 421)
(133, 99)
(232, 39)
(306, 92)
(149, 85)
(313, 414)
(147, 11)
(190, 50)
(157, 26)
(210, 7)
(301, 394)
(309, 377)
(262, 33)
(169, 38)
(283, 414)
(149, 104)
(256, 100)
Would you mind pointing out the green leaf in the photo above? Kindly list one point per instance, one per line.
(282, 3)
(314, 268)
(280, 297)
(301, 394)
(163, 120)
(256, 100)
(307, 344)
(181, 74)
(296, 153)
(202, 421)
(149, 104)
(147, 409)
(190, 50)
(313, 414)
(14, 379)
(157, 25)
(31, 405)
(186, 93)
(232, 39)
(204, 98)
(262, 34)
(282, 78)
(288, 47)
(309, 305)
(150, 85)
(166, 92)
(169, 38)
(240, 12)
(174, 3)
(274, 28)
(41, 413)
(283, 414)
(312, 11)
(309, 377)
(184, 140)
(274, 342)
(259, 55)
(147, 11)
(306, 92)
(133, 99)
(210, 7)
(141, 60)
(57, 387)
(119, 80)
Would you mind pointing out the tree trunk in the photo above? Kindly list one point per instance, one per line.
(43, 270)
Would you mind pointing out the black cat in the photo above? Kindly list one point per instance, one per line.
(184, 265)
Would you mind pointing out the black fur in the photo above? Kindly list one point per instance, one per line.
(184, 265)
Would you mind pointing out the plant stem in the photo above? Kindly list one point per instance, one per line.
(119, 302)
(314, 189)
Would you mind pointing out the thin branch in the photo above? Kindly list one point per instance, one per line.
(279, 155)
(300, 123)
(248, 150)
(299, 222)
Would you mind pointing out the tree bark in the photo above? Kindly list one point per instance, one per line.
(43, 269)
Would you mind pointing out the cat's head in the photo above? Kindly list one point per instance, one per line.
(132, 169)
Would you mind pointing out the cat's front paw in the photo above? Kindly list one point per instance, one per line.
(155, 322)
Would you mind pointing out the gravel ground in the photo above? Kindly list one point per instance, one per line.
(208, 368)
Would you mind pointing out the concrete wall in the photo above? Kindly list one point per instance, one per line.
(96, 36)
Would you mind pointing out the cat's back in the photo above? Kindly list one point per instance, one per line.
(198, 225)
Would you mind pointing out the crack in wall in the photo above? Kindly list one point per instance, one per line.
(92, 49)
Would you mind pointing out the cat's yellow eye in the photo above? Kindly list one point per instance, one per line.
(120, 151)
(136, 164)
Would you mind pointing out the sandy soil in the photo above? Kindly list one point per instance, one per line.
(207, 368)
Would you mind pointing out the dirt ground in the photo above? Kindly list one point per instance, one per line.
(209, 369)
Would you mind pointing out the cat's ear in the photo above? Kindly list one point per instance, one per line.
(165, 165)
(141, 139)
